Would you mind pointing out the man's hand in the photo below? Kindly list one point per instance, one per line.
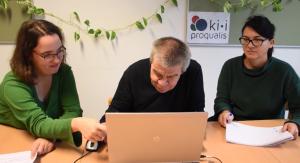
(42, 146)
(223, 118)
(291, 128)
(90, 128)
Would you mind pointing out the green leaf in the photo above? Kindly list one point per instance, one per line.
(264, 2)
(225, 10)
(76, 36)
(162, 8)
(91, 31)
(39, 11)
(113, 35)
(278, 8)
(159, 17)
(97, 32)
(242, 3)
(4, 3)
(107, 35)
(227, 7)
(175, 2)
(24, 2)
(238, 8)
(31, 10)
(87, 22)
(145, 21)
(276, 2)
(139, 25)
(59, 28)
(76, 15)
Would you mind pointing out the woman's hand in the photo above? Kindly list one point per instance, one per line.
(223, 118)
(42, 146)
(105, 138)
(90, 128)
(291, 128)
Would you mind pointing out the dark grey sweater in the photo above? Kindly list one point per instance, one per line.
(256, 94)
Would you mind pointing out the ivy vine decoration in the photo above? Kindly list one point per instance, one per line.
(110, 33)
(227, 6)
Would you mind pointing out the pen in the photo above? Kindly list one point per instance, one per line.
(228, 117)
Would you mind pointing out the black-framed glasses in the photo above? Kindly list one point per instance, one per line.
(255, 42)
(49, 57)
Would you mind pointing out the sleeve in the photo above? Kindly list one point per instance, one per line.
(123, 98)
(197, 96)
(69, 96)
(26, 110)
(222, 100)
(292, 91)
(70, 101)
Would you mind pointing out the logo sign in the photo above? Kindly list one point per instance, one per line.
(208, 27)
(156, 138)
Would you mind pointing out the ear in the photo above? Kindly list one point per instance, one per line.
(272, 41)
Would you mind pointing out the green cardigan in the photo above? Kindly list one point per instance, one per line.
(256, 94)
(21, 108)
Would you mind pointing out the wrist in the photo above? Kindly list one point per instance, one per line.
(225, 111)
(74, 125)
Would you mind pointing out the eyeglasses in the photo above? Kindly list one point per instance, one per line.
(49, 57)
(255, 42)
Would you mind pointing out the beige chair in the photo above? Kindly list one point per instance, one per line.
(287, 109)
(109, 100)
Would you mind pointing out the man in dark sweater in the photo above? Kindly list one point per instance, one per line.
(168, 81)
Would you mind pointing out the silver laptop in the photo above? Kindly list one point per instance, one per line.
(155, 137)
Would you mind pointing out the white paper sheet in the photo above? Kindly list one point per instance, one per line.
(19, 157)
(256, 136)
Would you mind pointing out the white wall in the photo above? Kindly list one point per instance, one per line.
(98, 64)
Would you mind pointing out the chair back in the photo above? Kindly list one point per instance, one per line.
(109, 100)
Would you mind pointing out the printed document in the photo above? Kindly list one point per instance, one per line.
(20, 157)
(256, 136)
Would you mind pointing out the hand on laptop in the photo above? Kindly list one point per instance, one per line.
(224, 117)
(90, 128)
(105, 138)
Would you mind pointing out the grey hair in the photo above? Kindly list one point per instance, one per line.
(171, 52)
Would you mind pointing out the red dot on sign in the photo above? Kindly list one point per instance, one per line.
(194, 19)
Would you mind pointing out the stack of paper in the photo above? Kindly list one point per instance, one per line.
(19, 157)
(256, 136)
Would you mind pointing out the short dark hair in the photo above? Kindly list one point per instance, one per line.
(27, 39)
(170, 52)
(263, 27)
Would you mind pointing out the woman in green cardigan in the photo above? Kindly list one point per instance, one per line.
(256, 86)
(39, 93)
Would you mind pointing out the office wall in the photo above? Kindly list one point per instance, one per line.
(277, 18)
(99, 64)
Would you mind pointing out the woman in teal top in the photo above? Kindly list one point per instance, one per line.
(256, 86)
(39, 93)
